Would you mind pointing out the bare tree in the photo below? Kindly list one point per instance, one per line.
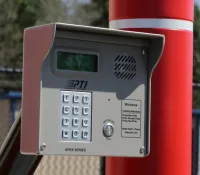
(66, 12)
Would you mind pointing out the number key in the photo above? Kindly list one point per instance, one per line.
(66, 97)
(65, 109)
(85, 110)
(86, 99)
(85, 134)
(76, 110)
(85, 122)
(65, 121)
(75, 122)
(75, 133)
(65, 133)
(76, 98)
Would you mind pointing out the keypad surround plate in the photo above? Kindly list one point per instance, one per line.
(75, 116)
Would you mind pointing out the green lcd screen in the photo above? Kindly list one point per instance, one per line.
(77, 61)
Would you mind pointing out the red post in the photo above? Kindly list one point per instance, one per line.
(171, 103)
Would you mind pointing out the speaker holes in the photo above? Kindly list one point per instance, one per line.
(125, 67)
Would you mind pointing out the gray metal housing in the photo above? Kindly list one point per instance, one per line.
(116, 97)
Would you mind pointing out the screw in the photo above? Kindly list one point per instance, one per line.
(42, 147)
(143, 52)
(142, 149)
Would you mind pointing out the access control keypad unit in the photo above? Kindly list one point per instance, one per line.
(86, 90)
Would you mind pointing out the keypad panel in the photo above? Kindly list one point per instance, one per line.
(75, 116)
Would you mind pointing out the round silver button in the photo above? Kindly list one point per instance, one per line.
(108, 129)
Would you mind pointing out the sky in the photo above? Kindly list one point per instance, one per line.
(197, 2)
(86, 1)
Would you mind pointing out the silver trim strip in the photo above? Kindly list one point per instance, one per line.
(174, 24)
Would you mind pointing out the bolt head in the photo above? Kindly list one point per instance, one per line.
(42, 147)
(142, 150)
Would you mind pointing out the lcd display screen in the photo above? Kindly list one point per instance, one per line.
(77, 62)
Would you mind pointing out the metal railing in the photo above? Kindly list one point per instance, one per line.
(13, 97)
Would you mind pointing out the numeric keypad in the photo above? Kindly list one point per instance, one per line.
(75, 116)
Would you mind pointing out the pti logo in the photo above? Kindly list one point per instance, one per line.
(77, 84)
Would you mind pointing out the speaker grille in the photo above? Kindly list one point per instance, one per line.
(125, 67)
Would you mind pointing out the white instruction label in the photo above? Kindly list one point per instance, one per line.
(131, 118)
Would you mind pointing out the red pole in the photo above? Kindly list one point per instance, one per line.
(171, 107)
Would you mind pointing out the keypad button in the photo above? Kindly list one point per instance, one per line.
(65, 109)
(65, 133)
(75, 133)
(85, 110)
(85, 122)
(76, 110)
(66, 98)
(85, 134)
(75, 122)
(76, 98)
(65, 121)
(86, 99)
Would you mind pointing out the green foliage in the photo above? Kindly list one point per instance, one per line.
(9, 33)
(19, 14)
(101, 7)
(27, 15)
(196, 98)
(196, 68)
(196, 58)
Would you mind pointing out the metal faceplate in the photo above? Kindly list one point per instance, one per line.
(100, 113)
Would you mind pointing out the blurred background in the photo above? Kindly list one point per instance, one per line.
(18, 14)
